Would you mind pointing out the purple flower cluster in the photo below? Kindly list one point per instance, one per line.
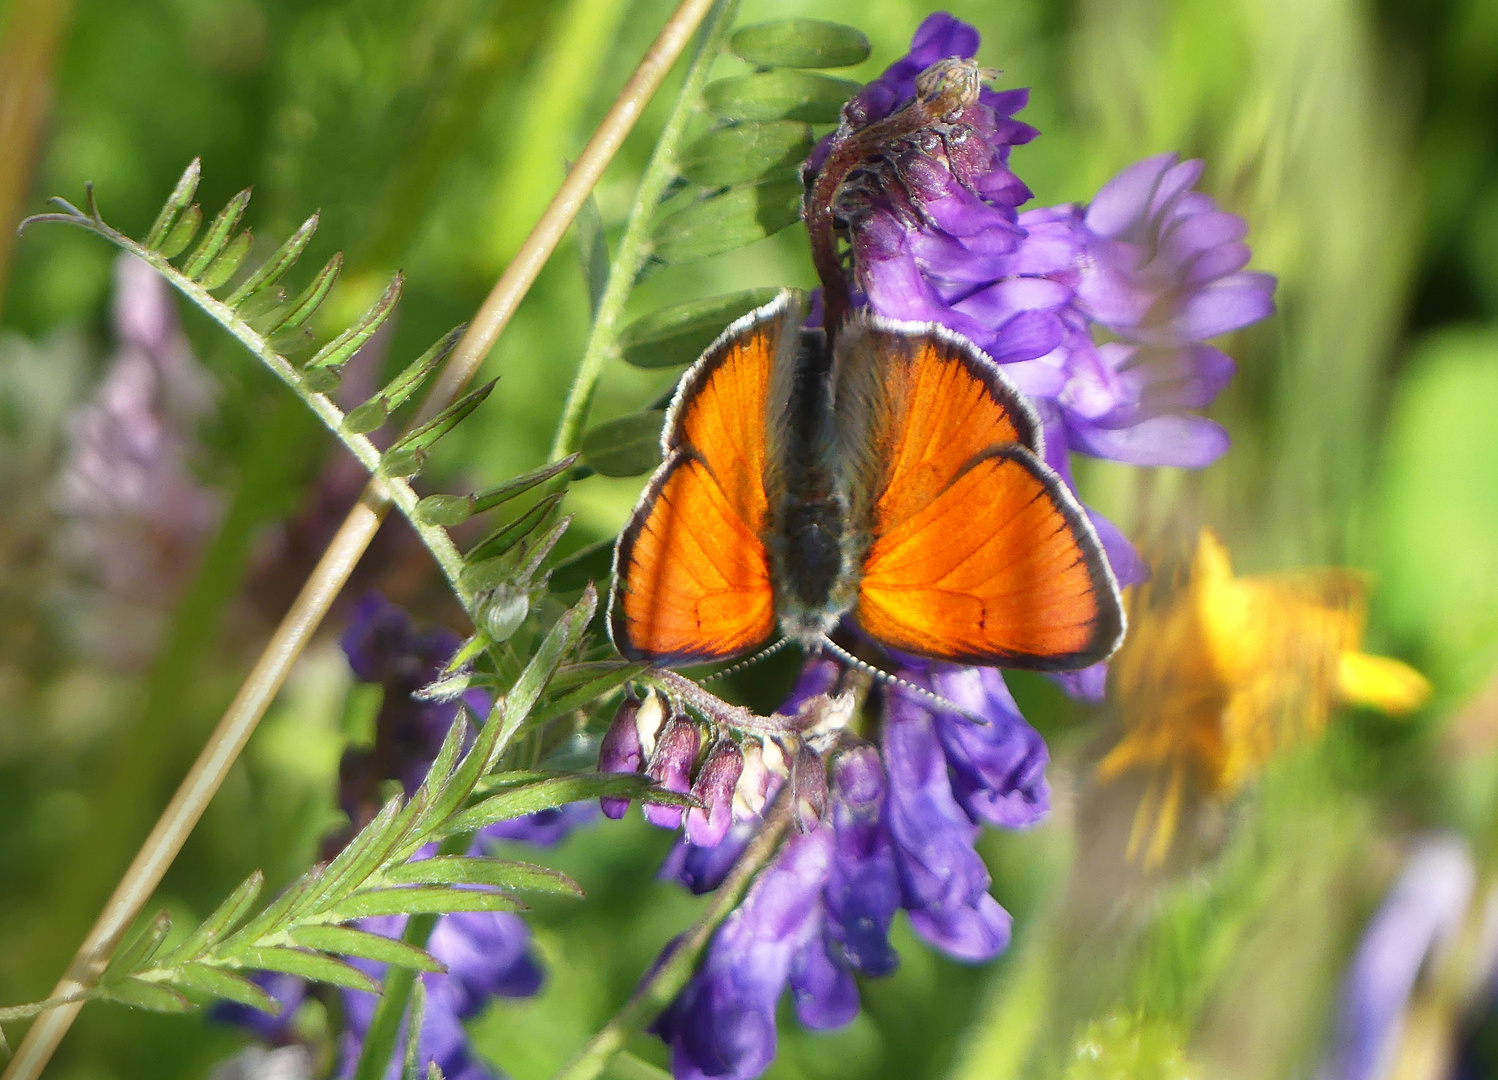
(895, 828)
(135, 517)
(487, 954)
(1152, 265)
(1100, 315)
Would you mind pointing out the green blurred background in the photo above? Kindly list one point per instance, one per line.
(1360, 140)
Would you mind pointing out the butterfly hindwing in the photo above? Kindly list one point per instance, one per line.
(691, 575)
(973, 551)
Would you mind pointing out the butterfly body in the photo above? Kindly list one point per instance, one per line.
(895, 478)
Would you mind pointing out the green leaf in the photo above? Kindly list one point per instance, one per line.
(217, 237)
(329, 360)
(146, 995)
(511, 710)
(228, 262)
(558, 791)
(456, 509)
(782, 94)
(591, 563)
(218, 983)
(800, 43)
(476, 870)
(141, 948)
(274, 268)
(180, 235)
(350, 941)
(374, 412)
(588, 692)
(422, 900)
(504, 538)
(741, 153)
(309, 301)
(365, 852)
(272, 916)
(627, 446)
(234, 908)
(180, 197)
(592, 251)
(308, 965)
(681, 333)
(736, 218)
(407, 456)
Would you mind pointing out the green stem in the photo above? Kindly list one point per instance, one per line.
(634, 245)
(384, 1027)
(661, 987)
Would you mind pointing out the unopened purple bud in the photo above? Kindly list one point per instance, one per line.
(671, 767)
(808, 787)
(620, 752)
(714, 789)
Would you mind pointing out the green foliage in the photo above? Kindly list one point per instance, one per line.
(800, 43)
(300, 931)
(627, 446)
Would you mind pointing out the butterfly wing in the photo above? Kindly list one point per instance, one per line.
(976, 552)
(691, 575)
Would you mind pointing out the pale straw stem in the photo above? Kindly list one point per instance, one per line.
(338, 561)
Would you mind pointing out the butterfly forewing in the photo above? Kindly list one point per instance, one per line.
(915, 404)
(973, 550)
(692, 579)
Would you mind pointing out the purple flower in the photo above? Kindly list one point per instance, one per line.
(723, 1024)
(1422, 914)
(862, 892)
(671, 767)
(384, 646)
(135, 516)
(714, 788)
(929, 208)
(898, 831)
(943, 881)
(487, 955)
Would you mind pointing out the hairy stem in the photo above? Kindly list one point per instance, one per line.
(662, 985)
(358, 529)
(634, 245)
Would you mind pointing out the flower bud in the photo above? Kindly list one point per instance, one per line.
(753, 789)
(775, 759)
(671, 767)
(714, 788)
(505, 611)
(620, 752)
(808, 787)
(648, 721)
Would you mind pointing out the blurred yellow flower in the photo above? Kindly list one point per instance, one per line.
(1219, 675)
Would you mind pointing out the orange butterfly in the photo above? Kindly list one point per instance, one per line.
(897, 476)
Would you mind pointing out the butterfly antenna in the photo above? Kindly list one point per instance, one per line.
(734, 669)
(894, 680)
